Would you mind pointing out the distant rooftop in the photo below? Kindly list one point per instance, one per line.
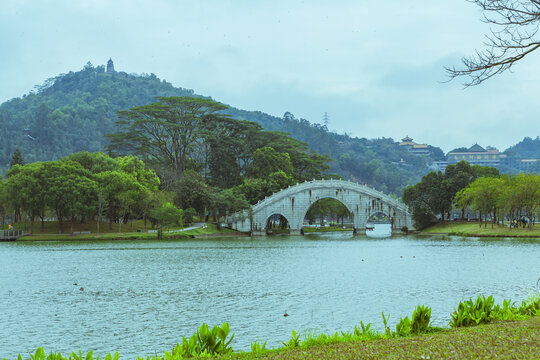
(406, 139)
(476, 148)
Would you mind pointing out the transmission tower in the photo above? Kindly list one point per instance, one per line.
(325, 119)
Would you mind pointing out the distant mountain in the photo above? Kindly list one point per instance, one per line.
(72, 112)
(527, 148)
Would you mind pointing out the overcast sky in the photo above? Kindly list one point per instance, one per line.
(376, 67)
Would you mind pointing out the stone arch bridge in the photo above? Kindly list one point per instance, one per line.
(294, 202)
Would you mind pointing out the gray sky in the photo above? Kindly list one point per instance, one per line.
(375, 66)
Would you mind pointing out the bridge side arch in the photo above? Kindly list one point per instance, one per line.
(267, 221)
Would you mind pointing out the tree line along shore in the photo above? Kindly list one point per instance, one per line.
(182, 157)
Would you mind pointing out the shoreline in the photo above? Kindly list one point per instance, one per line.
(472, 229)
(478, 235)
(126, 236)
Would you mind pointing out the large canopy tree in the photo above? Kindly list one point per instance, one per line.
(181, 136)
(165, 133)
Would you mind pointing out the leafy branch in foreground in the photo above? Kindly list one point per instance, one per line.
(512, 38)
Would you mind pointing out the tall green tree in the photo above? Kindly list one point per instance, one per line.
(70, 190)
(120, 191)
(192, 192)
(483, 195)
(16, 159)
(523, 193)
(266, 161)
(227, 201)
(167, 215)
(3, 200)
(165, 133)
(430, 196)
(94, 162)
(26, 189)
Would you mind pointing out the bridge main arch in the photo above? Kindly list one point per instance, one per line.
(327, 196)
(294, 202)
(316, 195)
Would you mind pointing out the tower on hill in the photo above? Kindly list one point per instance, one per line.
(110, 66)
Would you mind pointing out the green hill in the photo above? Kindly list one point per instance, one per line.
(73, 111)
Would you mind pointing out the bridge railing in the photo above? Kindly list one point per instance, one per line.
(10, 234)
(309, 185)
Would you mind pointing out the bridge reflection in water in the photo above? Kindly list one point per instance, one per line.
(293, 203)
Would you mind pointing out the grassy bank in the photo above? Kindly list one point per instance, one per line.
(324, 229)
(502, 340)
(84, 232)
(474, 230)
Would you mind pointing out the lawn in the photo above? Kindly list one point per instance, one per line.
(473, 229)
(88, 231)
(501, 340)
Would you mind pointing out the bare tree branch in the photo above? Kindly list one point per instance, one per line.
(512, 38)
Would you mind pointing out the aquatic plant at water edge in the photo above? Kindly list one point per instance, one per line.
(483, 310)
(420, 319)
(203, 342)
(418, 323)
(366, 330)
(403, 328)
(294, 341)
(531, 305)
(473, 313)
(387, 331)
(256, 347)
(40, 355)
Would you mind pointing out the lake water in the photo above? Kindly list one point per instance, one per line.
(140, 297)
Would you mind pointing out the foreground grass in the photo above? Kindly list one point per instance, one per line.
(473, 229)
(502, 340)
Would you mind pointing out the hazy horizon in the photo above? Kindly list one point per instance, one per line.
(376, 68)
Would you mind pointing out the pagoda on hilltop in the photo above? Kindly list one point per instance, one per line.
(110, 66)
(411, 146)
